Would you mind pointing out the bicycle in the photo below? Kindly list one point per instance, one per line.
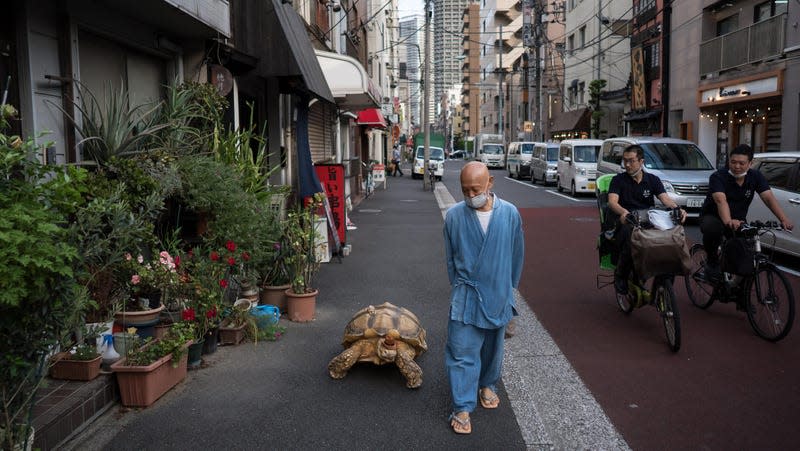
(765, 294)
(661, 294)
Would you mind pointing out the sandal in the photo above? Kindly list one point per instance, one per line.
(460, 424)
(489, 399)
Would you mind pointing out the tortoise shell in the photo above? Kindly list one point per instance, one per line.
(385, 320)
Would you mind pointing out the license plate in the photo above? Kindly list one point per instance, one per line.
(695, 202)
(590, 185)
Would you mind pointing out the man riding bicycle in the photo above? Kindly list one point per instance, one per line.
(629, 191)
(730, 192)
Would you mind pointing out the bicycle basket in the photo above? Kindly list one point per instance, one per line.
(660, 251)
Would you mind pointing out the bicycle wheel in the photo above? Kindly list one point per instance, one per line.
(770, 304)
(698, 288)
(625, 302)
(668, 308)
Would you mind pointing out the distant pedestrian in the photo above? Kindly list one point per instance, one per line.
(396, 162)
(484, 248)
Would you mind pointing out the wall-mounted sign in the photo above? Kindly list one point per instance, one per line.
(222, 79)
(740, 90)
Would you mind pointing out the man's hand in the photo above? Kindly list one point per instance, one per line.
(787, 224)
(734, 224)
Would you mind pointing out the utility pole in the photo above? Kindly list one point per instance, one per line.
(426, 120)
(537, 30)
(599, 38)
(501, 72)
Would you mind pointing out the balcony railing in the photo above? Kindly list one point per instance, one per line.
(748, 45)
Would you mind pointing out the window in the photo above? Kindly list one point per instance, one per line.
(777, 173)
(581, 91)
(571, 43)
(582, 34)
(728, 25)
(768, 9)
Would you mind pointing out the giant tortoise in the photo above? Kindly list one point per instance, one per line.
(382, 334)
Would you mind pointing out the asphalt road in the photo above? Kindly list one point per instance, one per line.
(725, 389)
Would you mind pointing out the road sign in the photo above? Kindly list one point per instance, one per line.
(528, 126)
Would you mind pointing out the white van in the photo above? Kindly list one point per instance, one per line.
(577, 165)
(436, 157)
(518, 160)
(544, 163)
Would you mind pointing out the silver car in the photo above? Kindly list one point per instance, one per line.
(681, 165)
(783, 175)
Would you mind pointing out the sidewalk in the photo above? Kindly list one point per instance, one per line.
(278, 395)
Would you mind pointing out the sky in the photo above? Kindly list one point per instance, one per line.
(409, 7)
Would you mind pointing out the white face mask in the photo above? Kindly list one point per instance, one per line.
(635, 173)
(737, 176)
(477, 202)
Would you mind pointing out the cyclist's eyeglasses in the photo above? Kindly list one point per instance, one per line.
(630, 160)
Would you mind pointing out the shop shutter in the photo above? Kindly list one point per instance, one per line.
(319, 132)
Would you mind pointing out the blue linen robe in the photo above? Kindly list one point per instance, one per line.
(483, 268)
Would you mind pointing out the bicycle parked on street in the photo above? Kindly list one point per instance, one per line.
(760, 289)
(660, 295)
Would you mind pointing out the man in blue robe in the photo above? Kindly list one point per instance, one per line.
(484, 247)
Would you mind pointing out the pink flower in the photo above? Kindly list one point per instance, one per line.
(135, 279)
(230, 245)
(140, 259)
(128, 257)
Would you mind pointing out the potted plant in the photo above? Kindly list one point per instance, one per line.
(39, 299)
(237, 324)
(150, 284)
(80, 363)
(146, 373)
(300, 232)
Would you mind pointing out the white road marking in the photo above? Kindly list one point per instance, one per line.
(556, 193)
(521, 182)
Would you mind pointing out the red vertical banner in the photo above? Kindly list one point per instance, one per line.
(332, 178)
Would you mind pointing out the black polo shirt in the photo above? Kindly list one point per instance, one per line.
(636, 196)
(738, 197)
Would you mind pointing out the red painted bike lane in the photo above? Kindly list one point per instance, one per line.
(725, 389)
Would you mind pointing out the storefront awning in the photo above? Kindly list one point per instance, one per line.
(348, 81)
(371, 117)
(569, 121)
(273, 32)
(641, 116)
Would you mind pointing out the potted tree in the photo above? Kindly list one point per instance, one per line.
(146, 373)
(302, 260)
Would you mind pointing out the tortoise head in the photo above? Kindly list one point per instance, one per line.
(387, 346)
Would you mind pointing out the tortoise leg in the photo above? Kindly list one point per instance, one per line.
(408, 367)
(340, 364)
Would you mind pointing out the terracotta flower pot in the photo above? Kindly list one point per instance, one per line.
(231, 335)
(301, 307)
(139, 319)
(274, 295)
(140, 386)
(75, 370)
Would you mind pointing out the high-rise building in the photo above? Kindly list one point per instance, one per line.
(447, 47)
(410, 55)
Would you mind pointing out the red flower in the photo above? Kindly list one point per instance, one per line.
(188, 314)
(214, 256)
(211, 313)
(231, 261)
(230, 245)
(177, 260)
(223, 283)
(245, 256)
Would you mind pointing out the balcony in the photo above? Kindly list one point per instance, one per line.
(749, 45)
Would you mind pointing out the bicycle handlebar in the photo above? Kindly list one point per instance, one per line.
(749, 229)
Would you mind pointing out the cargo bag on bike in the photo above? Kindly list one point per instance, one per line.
(737, 257)
(660, 251)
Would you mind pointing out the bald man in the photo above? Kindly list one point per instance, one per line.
(484, 248)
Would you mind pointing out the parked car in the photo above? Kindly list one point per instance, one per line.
(436, 156)
(782, 170)
(518, 161)
(577, 165)
(681, 166)
(544, 163)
